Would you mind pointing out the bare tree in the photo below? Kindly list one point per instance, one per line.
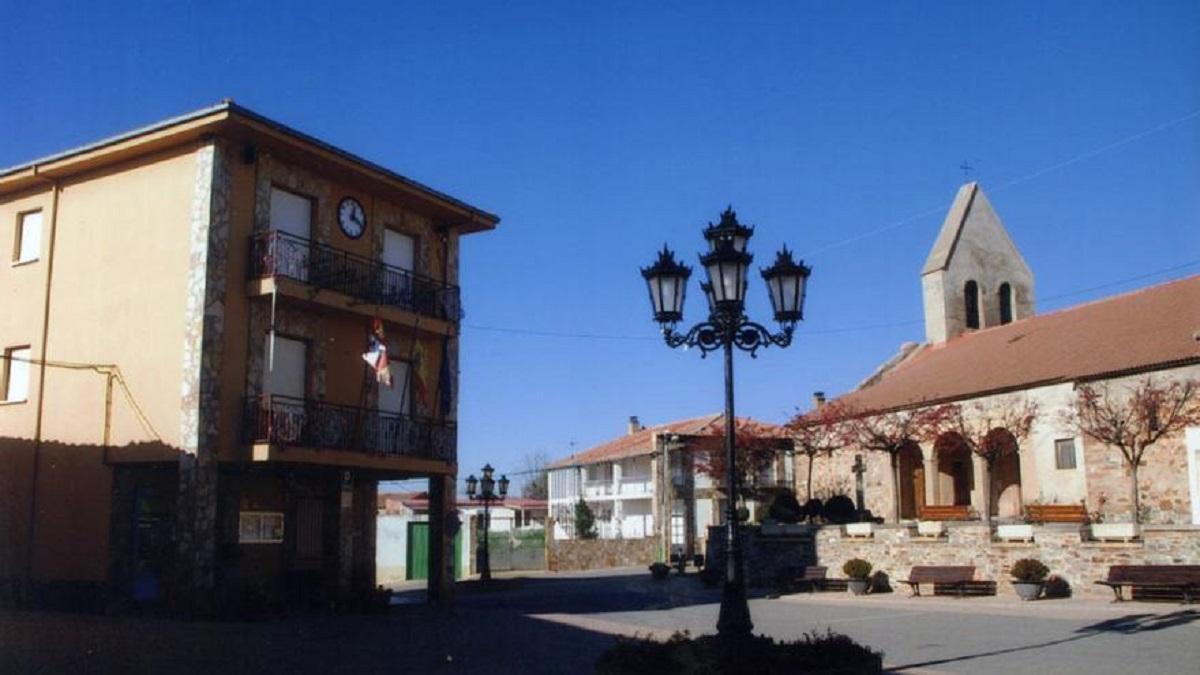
(533, 466)
(1134, 418)
(889, 433)
(756, 446)
(990, 430)
(820, 431)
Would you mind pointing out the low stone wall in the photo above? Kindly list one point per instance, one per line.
(894, 550)
(572, 555)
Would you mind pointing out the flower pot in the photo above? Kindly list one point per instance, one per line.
(858, 586)
(1111, 531)
(858, 529)
(931, 528)
(1014, 532)
(1028, 590)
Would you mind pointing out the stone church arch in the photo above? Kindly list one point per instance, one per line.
(971, 304)
(912, 480)
(956, 476)
(1004, 500)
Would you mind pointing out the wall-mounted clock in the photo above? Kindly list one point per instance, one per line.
(352, 217)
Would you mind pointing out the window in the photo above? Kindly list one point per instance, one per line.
(29, 237)
(1064, 453)
(260, 527)
(1006, 314)
(971, 300)
(16, 374)
(291, 213)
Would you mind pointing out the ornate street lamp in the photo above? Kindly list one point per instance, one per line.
(484, 490)
(726, 265)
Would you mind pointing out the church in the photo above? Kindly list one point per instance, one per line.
(987, 348)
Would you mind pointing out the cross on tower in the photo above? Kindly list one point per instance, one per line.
(967, 169)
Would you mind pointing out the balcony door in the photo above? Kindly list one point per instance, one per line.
(286, 375)
(399, 251)
(291, 215)
(396, 399)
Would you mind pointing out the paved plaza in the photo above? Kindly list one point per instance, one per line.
(558, 624)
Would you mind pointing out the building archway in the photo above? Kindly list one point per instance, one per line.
(955, 476)
(912, 480)
(1004, 497)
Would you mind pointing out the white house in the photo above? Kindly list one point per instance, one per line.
(624, 484)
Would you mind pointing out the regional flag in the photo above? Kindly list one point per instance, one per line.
(377, 357)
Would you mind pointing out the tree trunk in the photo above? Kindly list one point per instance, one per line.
(1133, 486)
(808, 484)
(986, 492)
(895, 486)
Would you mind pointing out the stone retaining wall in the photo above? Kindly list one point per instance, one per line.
(572, 555)
(895, 549)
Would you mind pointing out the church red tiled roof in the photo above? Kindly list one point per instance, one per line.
(1152, 328)
(642, 442)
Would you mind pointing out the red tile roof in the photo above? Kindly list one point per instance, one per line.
(1148, 329)
(642, 442)
(419, 501)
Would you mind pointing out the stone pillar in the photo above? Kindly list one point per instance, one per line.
(932, 495)
(345, 535)
(443, 526)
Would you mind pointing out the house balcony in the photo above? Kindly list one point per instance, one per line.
(281, 428)
(598, 488)
(636, 486)
(301, 269)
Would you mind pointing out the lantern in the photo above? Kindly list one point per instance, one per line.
(472, 484)
(667, 281)
(786, 282)
(728, 230)
(726, 268)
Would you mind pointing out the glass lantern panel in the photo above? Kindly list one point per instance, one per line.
(668, 290)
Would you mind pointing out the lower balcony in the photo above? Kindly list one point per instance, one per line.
(283, 428)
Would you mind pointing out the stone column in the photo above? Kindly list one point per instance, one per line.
(345, 557)
(931, 481)
(443, 526)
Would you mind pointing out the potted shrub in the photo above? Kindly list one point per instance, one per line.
(1029, 574)
(859, 572)
(660, 571)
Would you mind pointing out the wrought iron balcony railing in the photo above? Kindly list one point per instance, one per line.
(276, 253)
(285, 421)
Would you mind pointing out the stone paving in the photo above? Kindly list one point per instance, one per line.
(558, 623)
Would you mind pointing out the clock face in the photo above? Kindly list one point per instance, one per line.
(351, 217)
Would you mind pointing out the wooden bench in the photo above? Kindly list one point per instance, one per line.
(1056, 513)
(811, 577)
(1153, 582)
(960, 579)
(943, 512)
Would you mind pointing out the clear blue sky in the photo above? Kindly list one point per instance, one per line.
(601, 130)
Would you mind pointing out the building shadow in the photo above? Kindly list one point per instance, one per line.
(1127, 625)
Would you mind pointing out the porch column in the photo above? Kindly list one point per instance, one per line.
(932, 495)
(345, 557)
(980, 478)
(443, 526)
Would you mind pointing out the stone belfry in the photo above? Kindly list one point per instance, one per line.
(974, 277)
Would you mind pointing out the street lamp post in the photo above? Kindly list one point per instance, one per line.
(726, 264)
(485, 490)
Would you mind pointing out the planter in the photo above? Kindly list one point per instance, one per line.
(1115, 531)
(1028, 590)
(859, 529)
(931, 528)
(858, 586)
(1014, 532)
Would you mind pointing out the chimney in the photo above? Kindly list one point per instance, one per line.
(634, 425)
(818, 399)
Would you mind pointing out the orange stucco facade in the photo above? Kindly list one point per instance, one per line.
(147, 313)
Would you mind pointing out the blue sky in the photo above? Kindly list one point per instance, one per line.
(598, 131)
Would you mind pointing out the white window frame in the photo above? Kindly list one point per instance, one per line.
(21, 237)
(260, 527)
(23, 362)
(1074, 455)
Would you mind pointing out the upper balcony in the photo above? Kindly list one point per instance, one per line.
(298, 267)
(282, 428)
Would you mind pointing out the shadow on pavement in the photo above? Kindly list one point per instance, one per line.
(1128, 624)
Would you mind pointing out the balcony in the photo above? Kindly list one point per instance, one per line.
(636, 485)
(279, 255)
(598, 488)
(282, 423)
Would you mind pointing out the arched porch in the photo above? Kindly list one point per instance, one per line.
(954, 471)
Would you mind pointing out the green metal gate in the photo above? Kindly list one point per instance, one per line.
(416, 564)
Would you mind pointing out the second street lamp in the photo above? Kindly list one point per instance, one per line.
(484, 490)
(726, 265)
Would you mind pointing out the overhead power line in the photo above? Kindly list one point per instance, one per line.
(823, 331)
